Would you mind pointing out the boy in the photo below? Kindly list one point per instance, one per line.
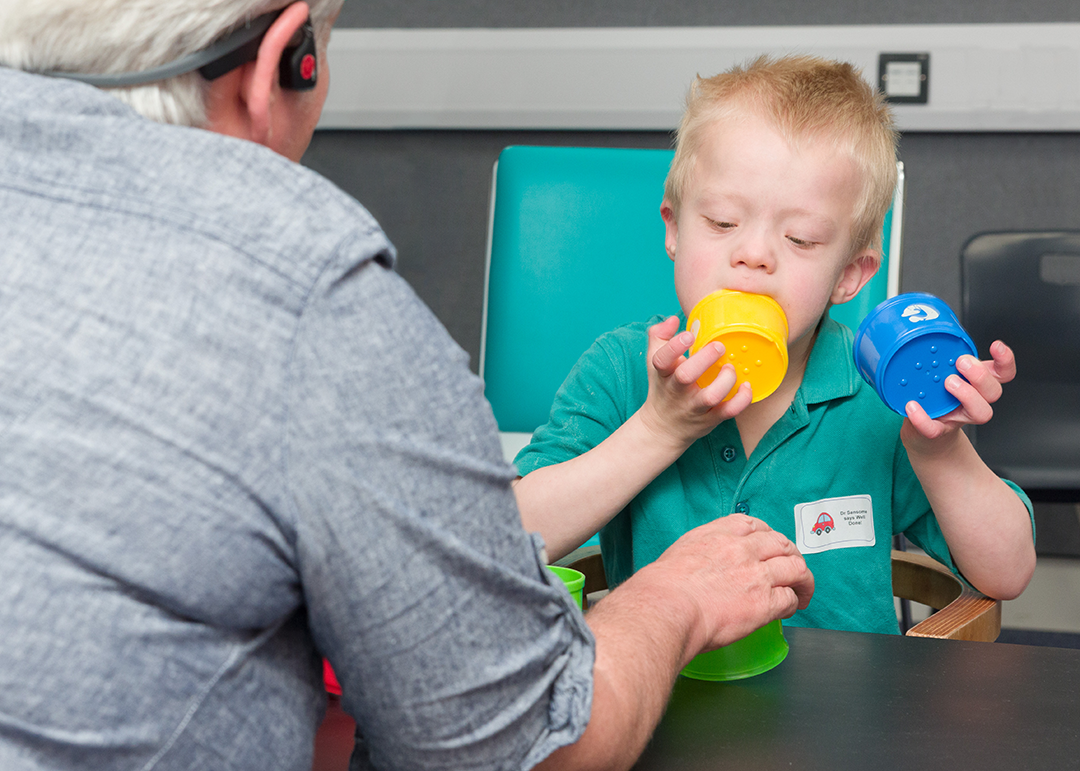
(783, 172)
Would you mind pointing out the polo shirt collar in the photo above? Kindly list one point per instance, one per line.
(830, 373)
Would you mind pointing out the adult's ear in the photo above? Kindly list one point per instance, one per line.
(855, 276)
(243, 103)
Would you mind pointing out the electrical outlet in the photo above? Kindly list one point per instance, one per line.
(904, 78)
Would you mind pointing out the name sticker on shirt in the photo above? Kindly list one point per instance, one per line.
(834, 523)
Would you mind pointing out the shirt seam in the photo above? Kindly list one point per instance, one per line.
(290, 375)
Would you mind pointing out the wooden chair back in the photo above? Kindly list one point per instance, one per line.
(961, 613)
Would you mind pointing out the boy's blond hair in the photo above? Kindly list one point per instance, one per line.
(806, 98)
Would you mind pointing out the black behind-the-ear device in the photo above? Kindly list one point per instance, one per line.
(298, 69)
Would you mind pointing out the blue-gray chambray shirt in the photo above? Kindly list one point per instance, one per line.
(232, 439)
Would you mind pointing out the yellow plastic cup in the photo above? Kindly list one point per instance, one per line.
(753, 330)
(758, 652)
(574, 581)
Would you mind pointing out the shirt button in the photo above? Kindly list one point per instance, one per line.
(743, 507)
(728, 453)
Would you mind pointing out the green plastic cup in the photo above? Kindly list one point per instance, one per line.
(574, 580)
(758, 652)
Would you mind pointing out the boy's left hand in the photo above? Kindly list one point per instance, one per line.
(979, 387)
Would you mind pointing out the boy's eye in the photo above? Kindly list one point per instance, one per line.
(800, 242)
(721, 224)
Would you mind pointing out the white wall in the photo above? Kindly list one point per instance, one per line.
(983, 77)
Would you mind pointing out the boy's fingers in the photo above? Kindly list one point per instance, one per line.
(669, 356)
(1004, 361)
(978, 375)
(716, 392)
(664, 330)
(974, 400)
(922, 422)
(697, 365)
(667, 345)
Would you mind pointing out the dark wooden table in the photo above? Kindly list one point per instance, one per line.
(844, 700)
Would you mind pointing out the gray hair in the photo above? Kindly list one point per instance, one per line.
(111, 36)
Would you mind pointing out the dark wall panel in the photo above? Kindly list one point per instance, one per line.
(963, 184)
(430, 189)
(650, 13)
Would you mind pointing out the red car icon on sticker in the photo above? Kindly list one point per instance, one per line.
(824, 524)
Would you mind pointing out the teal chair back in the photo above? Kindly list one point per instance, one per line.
(576, 248)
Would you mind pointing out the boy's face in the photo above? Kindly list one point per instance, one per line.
(760, 216)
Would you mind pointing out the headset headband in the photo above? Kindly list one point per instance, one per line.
(238, 47)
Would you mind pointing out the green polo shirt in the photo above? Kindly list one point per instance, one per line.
(831, 475)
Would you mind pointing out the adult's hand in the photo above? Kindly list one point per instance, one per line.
(716, 584)
(738, 574)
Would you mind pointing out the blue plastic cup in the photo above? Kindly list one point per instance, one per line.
(906, 347)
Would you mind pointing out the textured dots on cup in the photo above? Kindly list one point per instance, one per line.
(925, 372)
(911, 340)
(753, 331)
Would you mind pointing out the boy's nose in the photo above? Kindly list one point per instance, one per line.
(755, 253)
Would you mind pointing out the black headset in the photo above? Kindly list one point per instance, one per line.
(298, 69)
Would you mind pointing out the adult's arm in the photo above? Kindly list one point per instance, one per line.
(715, 585)
(454, 647)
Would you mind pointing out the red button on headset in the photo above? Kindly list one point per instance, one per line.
(307, 67)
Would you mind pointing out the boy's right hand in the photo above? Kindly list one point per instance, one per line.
(676, 407)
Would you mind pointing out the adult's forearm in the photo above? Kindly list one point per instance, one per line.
(715, 585)
(643, 638)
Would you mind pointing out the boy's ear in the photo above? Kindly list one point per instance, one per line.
(855, 276)
(671, 226)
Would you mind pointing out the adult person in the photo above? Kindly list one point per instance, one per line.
(234, 441)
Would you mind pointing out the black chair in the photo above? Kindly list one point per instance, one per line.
(1024, 288)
